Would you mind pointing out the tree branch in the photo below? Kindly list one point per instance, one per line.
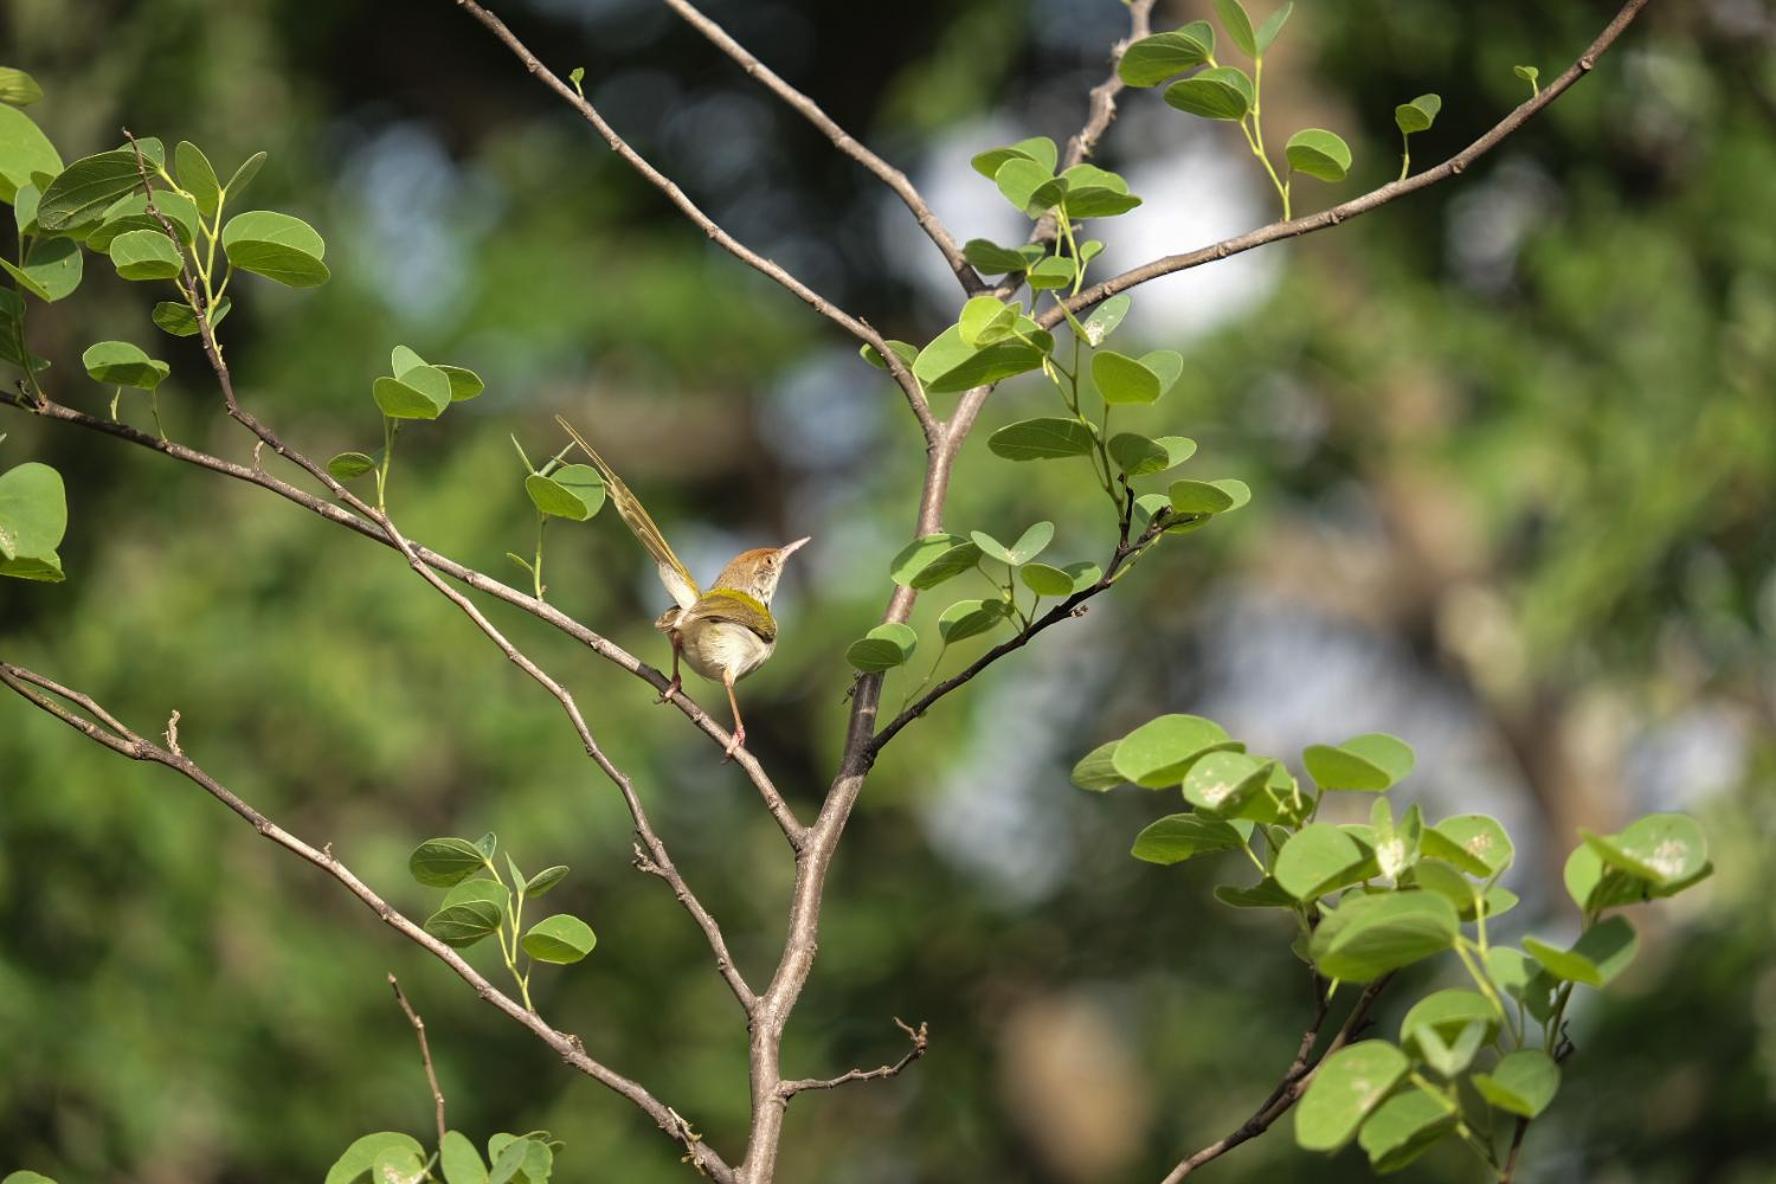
(425, 1055)
(1295, 1079)
(858, 328)
(920, 1038)
(568, 1047)
(841, 139)
(1103, 96)
(780, 810)
(1374, 199)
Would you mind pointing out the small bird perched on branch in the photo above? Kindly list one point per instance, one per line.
(723, 634)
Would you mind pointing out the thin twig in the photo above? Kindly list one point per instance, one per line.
(1102, 103)
(841, 139)
(909, 385)
(568, 1047)
(1293, 1084)
(920, 1038)
(1374, 199)
(425, 1055)
(781, 811)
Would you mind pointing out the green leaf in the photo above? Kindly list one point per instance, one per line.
(1200, 498)
(441, 863)
(1040, 149)
(1122, 379)
(1601, 953)
(969, 618)
(17, 88)
(1523, 1083)
(118, 363)
(145, 255)
(989, 258)
(181, 321)
(1159, 752)
(24, 208)
(1418, 115)
(1435, 875)
(348, 466)
(1482, 838)
(950, 364)
(1522, 978)
(1220, 92)
(463, 924)
(1273, 25)
(1096, 771)
(33, 519)
(1084, 574)
(1663, 849)
(1315, 856)
(1138, 456)
(1367, 763)
(1404, 1127)
(25, 152)
(1029, 185)
(197, 177)
(1177, 837)
(906, 351)
(52, 268)
(1152, 60)
(26, 1178)
(1044, 580)
(980, 316)
(1349, 1085)
(1434, 845)
(1265, 894)
(882, 648)
(244, 175)
(1450, 1058)
(1448, 1012)
(478, 890)
(573, 492)
(1052, 272)
(1529, 74)
(1029, 545)
(1104, 318)
(1223, 782)
(25, 282)
(403, 359)
(561, 939)
(1094, 192)
(354, 1166)
(277, 246)
(423, 392)
(1044, 438)
(1238, 25)
(921, 553)
(1318, 153)
(460, 1161)
(83, 191)
(1367, 936)
(464, 384)
(130, 212)
(544, 880)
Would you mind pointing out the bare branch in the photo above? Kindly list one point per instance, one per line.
(780, 809)
(1103, 95)
(568, 1047)
(841, 139)
(1294, 1083)
(909, 385)
(920, 1038)
(1374, 199)
(425, 1055)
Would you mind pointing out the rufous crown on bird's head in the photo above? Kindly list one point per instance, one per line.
(757, 571)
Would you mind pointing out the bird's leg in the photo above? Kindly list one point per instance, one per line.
(677, 683)
(739, 737)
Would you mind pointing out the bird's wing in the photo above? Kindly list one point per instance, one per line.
(729, 604)
(673, 573)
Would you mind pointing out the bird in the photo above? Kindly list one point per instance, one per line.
(725, 633)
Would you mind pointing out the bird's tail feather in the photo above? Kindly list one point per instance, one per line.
(673, 573)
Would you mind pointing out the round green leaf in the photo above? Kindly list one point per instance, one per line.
(1601, 953)
(882, 648)
(1096, 771)
(981, 315)
(1481, 837)
(130, 212)
(33, 519)
(181, 321)
(1238, 25)
(989, 258)
(1523, 1083)
(1159, 752)
(1418, 115)
(348, 466)
(928, 562)
(1177, 837)
(950, 364)
(1044, 438)
(1447, 1012)
(197, 177)
(25, 152)
(1367, 936)
(1044, 580)
(1314, 857)
(1152, 60)
(1200, 498)
(17, 88)
(1266, 894)
(52, 268)
(1038, 148)
(1272, 26)
(145, 255)
(1084, 574)
(574, 492)
(460, 1161)
(464, 384)
(1318, 153)
(544, 880)
(1349, 1085)
(1223, 782)
(1529, 74)
(1522, 978)
(1365, 763)
(1665, 849)
(276, 246)
(354, 1167)
(560, 939)
(1404, 1127)
(444, 862)
(1104, 319)
(1220, 92)
(1122, 379)
(969, 618)
(1052, 272)
(423, 392)
(118, 363)
(465, 923)
(244, 175)
(26, 1178)
(904, 350)
(82, 192)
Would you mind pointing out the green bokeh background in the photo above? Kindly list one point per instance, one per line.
(1513, 443)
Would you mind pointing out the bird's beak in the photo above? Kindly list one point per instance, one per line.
(789, 549)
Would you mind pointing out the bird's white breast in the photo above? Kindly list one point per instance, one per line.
(718, 649)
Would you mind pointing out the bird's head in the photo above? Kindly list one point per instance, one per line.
(756, 572)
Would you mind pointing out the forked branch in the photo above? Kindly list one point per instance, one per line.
(920, 1038)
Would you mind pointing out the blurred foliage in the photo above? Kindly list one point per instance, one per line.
(1514, 435)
